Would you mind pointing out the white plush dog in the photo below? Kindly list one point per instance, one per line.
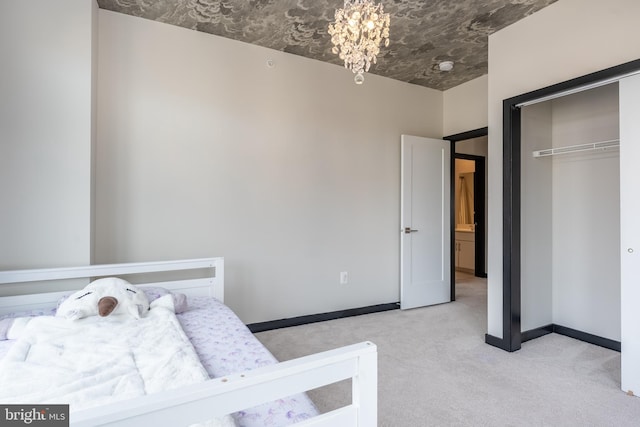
(104, 297)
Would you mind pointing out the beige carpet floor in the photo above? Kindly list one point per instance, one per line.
(434, 369)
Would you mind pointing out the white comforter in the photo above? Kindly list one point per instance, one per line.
(94, 361)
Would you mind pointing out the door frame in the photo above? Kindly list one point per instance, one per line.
(462, 136)
(511, 204)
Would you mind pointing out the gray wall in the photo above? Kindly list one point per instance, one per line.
(537, 218)
(46, 108)
(586, 215)
(291, 173)
(465, 106)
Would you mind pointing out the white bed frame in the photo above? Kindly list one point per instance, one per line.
(220, 396)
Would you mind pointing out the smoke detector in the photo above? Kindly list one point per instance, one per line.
(445, 66)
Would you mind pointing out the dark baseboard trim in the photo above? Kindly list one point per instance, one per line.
(536, 333)
(496, 342)
(591, 339)
(313, 318)
(571, 333)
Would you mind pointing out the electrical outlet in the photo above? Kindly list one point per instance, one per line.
(344, 278)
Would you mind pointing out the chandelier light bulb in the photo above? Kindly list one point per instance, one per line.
(357, 33)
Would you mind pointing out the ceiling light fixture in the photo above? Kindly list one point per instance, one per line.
(359, 29)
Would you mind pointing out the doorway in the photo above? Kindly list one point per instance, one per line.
(469, 213)
(468, 225)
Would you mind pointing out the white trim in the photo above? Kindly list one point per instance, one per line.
(577, 89)
(211, 285)
(101, 270)
(233, 393)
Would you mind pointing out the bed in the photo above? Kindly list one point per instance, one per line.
(243, 381)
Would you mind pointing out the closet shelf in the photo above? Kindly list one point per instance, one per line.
(603, 145)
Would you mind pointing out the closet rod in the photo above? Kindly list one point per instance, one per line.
(603, 145)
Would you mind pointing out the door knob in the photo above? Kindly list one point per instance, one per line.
(408, 230)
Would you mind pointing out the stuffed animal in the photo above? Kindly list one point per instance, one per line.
(104, 297)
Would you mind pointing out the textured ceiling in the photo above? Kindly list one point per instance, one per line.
(423, 32)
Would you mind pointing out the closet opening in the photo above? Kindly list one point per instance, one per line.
(570, 217)
(468, 206)
(536, 214)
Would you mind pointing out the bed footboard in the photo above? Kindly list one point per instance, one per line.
(221, 396)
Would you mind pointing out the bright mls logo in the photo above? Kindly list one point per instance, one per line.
(34, 415)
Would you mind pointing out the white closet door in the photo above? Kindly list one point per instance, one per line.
(630, 232)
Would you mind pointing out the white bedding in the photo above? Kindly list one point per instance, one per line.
(225, 346)
(98, 360)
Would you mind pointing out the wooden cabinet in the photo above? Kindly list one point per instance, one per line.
(465, 249)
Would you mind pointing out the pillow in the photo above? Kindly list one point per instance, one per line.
(105, 297)
(179, 300)
(155, 292)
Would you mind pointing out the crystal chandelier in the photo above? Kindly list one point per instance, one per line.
(359, 29)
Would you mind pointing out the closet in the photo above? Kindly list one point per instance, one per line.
(579, 234)
(571, 213)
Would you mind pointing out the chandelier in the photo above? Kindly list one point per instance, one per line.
(359, 29)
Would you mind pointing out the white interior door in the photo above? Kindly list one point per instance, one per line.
(630, 233)
(425, 271)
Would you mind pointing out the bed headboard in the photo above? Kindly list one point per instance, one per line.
(212, 284)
